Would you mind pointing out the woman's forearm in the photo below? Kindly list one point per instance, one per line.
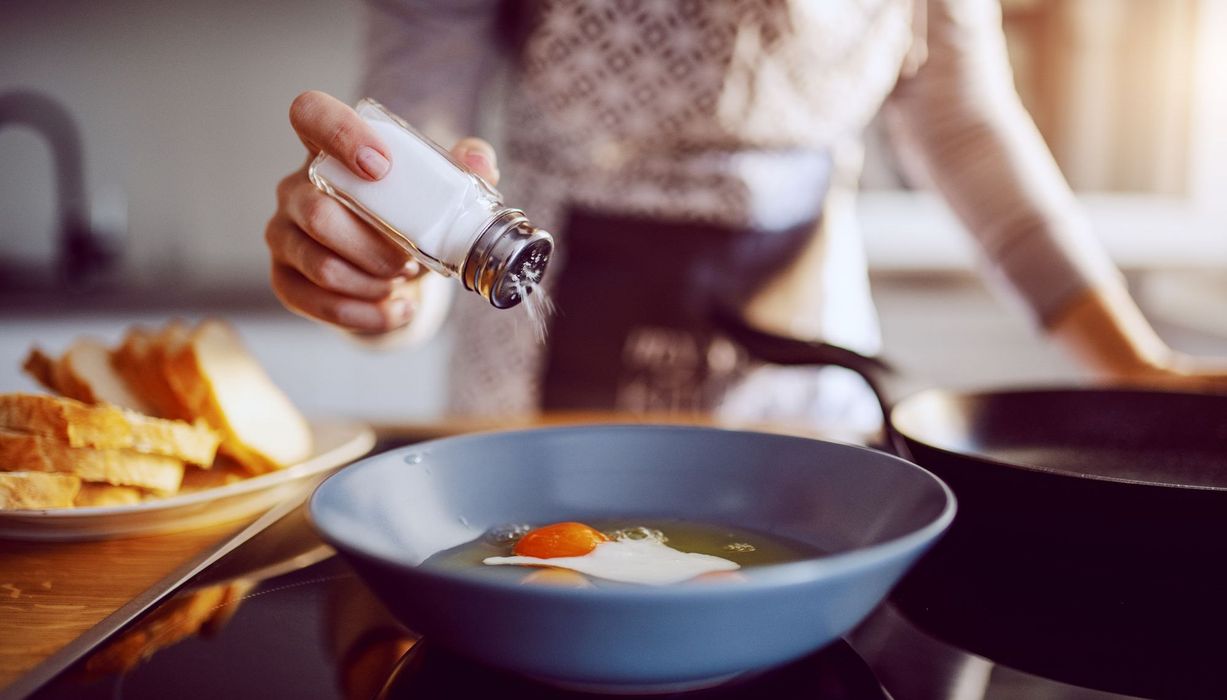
(967, 126)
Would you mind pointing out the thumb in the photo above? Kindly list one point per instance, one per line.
(478, 155)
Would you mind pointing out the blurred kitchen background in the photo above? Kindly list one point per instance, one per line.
(179, 110)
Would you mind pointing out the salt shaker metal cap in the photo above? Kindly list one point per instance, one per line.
(508, 260)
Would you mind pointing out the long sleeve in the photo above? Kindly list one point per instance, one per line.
(428, 60)
(961, 114)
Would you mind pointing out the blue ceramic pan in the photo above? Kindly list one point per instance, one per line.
(874, 513)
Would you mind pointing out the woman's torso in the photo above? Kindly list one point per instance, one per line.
(720, 113)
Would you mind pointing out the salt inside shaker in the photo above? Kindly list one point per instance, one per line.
(441, 213)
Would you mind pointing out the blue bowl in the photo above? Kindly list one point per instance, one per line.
(874, 513)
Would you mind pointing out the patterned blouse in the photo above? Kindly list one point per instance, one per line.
(728, 112)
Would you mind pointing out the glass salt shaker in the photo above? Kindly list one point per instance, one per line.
(441, 213)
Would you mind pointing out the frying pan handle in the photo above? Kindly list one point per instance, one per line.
(774, 349)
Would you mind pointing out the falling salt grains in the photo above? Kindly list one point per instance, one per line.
(739, 547)
(526, 284)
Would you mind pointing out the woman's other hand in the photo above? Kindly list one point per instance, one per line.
(327, 264)
(1195, 373)
(1106, 330)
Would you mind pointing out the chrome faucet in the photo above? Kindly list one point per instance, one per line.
(84, 255)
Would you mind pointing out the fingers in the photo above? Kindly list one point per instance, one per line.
(305, 298)
(330, 266)
(1193, 373)
(333, 226)
(479, 156)
(292, 248)
(326, 124)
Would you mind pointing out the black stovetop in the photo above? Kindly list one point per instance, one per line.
(282, 617)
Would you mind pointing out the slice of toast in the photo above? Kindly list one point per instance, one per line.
(107, 427)
(35, 453)
(225, 471)
(139, 360)
(215, 376)
(26, 490)
(105, 495)
(85, 373)
(41, 367)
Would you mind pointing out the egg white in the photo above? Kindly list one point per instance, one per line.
(644, 561)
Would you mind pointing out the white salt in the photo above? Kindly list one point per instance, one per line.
(423, 196)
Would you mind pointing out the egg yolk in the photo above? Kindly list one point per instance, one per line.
(559, 540)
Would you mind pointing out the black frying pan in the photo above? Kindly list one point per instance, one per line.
(1091, 542)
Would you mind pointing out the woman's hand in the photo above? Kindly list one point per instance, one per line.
(1191, 373)
(1106, 330)
(327, 264)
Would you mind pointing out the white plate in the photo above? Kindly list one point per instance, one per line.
(336, 443)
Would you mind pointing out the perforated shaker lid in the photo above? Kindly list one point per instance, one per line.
(509, 260)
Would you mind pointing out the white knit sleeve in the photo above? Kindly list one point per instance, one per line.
(962, 116)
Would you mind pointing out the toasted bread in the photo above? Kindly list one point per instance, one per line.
(85, 373)
(25, 490)
(225, 471)
(139, 360)
(36, 453)
(217, 379)
(96, 495)
(41, 367)
(170, 340)
(107, 427)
